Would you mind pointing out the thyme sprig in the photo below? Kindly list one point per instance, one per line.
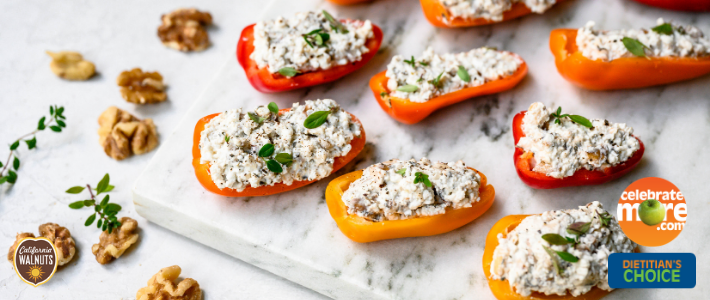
(56, 123)
(105, 211)
(575, 118)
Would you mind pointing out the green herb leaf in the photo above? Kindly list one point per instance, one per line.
(274, 166)
(567, 257)
(77, 205)
(571, 240)
(581, 120)
(105, 226)
(11, 176)
(3, 180)
(423, 63)
(463, 74)
(284, 158)
(337, 26)
(109, 188)
(55, 128)
(90, 220)
(98, 224)
(402, 171)
(423, 178)
(75, 190)
(89, 202)
(41, 125)
(61, 123)
(103, 184)
(60, 110)
(32, 143)
(51, 110)
(554, 239)
(316, 119)
(15, 145)
(226, 139)
(553, 258)
(16, 163)
(266, 150)
(104, 202)
(112, 208)
(634, 46)
(605, 218)
(254, 117)
(436, 82)
(578, 228)
(665, 28)
(288, 71)
(273, 107)
(305, 38)
(411, 62)
(410, 88)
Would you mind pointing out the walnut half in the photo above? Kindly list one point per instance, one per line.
(184, 29)
(122, 135)
(18, 238)
(112, 245)
(71, 65)
(162, 287)
(141, 87)
(58, 235)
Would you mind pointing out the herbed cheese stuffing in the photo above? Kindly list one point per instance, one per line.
(683, 41)
(522, 258)
(432, 75)
(281, 43)
(561, 149)
(491, 9)
(231, 141)
(387, 191)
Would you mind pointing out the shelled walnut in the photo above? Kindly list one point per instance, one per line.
(141, 87)
(71, 65)
(122, 135)
(162, 287)
(184, 29)
(112, 245)
(58, 235)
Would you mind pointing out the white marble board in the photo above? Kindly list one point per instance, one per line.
(293, 236)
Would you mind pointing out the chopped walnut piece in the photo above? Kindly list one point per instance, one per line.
(112, 245)
(62, 240)
(184, 29)
(18, 238)
(141, 87)
(123, 135)
(162, 287)
(71, 65)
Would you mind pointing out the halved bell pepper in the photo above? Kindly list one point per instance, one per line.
(501, 288)
(620, 73)
(348, 2)
(202, 171)
(524, 165)
(362, 230)
(438, 16)
(409, 112)
(684, 5)
(264, 81)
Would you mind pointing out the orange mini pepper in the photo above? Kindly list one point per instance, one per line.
(409, 112)
(501, 288)
(202, 171)
(620, 73)
(437, 15)
(362, 230)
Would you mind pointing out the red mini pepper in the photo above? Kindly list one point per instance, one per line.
(685, 5)
(267, 82)
(524, 166)
(438, 16)
(620, 73)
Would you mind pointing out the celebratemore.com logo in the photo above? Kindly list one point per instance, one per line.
(35, 260)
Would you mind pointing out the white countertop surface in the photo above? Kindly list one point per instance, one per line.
(120, 36)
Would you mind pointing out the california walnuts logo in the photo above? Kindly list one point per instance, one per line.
(35, 260)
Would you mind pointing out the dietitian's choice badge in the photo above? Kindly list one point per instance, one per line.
(652, 212)
(35, 260)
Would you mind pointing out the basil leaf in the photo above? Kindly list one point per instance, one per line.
(77, 205)
(266, 150)
(274, 166)
(581, 120)
(554, 239)
(634, 46)
(90, 220)
(273, 107)
(463, 74)
(578, 228)
(254, 117)
(402, 171)
(316, 119)
(337, 26)
(75, 190)
(284, 158)
(567, 257)
(665, 28)
(289, 71)
(553, 258)
(410, 88)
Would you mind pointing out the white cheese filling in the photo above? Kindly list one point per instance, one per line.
(280, 43)
(491, 9)
(234, 161)
(482, 65)
(559, 150)
(386, 191)
(685, 41)
(521, 257)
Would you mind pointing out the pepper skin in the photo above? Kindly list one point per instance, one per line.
(683, 5)
(266, 82)
(621, 73)
(437, 15)
(409, 112)
(501, 288)
(202, 171)
(362, 230)
(524, 166)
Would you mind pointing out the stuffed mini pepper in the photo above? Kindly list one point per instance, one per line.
(624, 59)
(412, 88)
(684, 5)
(559, 254)
(399, 198)
(241, 153)
(465, 13)
(305, 50)
(554, 150)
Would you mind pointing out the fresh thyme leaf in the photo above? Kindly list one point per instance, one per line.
(266, 150)
(99, 223)
(288, 71)
(90, 220)
(61, 123)
(410, 88)
(41, 125)
(109, 188)
(3, 180)
(553, 258)
(411, 62)
(634, 46)
(88, 203)
(256, 118)
(316, 119)
(55, 128)
(14, 145)
(305, 38)
(274, 166)
(463, 74)
(226, 138)
(383, 94)
(75, 190)
(581, 120)
(605, 218)
(11, 176)
(571, 240)
(112, 207)
(51, 110)
(103, 184)
(16, 163)
(337, 26)
(436, 82)
(567, 256)
(104, 202)
(555, 239)
(402, 171)
(578, 228)
(76, 205)
(273, 107)
(423, 178)
(423, 63)
(665, 28)
(283, 158)
(31, 143)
